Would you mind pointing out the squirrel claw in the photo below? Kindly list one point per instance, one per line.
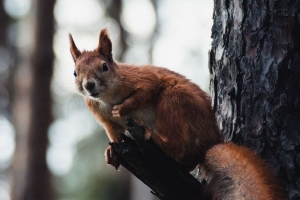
(110, 158)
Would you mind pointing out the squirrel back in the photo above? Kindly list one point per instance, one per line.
(236, 173)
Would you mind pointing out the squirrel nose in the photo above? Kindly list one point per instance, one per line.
(89, 86)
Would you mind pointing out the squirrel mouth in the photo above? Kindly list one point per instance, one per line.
(94, 94)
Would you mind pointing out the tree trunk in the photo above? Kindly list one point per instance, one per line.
(255, 80)
(36, 181)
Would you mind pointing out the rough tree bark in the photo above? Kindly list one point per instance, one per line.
(36, 100)
(255, 80)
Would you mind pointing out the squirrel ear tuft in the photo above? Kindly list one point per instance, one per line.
(105, 46)
(74, 51)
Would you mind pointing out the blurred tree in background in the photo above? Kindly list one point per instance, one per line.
(35, 182)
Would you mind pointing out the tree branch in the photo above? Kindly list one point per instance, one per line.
(147, 162)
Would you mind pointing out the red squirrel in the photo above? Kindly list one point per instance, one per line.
(179, 117)
(177, 111)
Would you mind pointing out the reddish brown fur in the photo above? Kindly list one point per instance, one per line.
(172, 107)
(246, 175)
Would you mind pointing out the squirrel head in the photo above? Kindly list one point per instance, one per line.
(94, 70)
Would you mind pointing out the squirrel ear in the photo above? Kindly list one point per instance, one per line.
(74, 51)
(105, 46)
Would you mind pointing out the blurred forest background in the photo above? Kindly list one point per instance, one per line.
(50, 145)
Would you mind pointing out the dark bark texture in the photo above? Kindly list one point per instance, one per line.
(255, 80)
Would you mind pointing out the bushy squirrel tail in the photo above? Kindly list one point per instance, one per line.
(236, 173)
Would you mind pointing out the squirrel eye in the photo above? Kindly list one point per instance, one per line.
(104, 67)
(75, 73)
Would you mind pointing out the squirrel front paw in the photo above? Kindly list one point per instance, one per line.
(110, 158)
(120, 110)
(116, 111)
